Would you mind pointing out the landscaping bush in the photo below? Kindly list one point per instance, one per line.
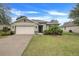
(5, 33)
(70, 31)
(53, 30)
(60, 32)
(6, 29)
(46, 32)
(12, 32)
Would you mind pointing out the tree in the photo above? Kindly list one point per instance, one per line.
(21, 17)
(4, 14)
(74, 14)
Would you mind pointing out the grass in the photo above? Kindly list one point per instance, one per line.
(45, 45)
(1, 34)
(2, 37)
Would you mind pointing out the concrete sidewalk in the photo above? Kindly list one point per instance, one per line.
(14, 45)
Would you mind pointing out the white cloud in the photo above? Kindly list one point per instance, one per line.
(20, 12)
(41, 18)
(52, 12)
(47, 17)
(30, 12)
(62, 20)
(14, 18)
(16, 12)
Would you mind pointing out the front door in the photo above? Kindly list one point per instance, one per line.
(40, 28)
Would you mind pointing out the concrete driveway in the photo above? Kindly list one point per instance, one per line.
(14, 45)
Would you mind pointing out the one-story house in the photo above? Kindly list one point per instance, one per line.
(70, 26)
(26, 26)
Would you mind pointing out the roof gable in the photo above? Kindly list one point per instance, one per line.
(23, 20)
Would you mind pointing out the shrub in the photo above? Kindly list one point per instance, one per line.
(46, 32)
(60, 32)
(6, 29)
(12, 32)
(70, 31)
(53, 30)
(5, 33)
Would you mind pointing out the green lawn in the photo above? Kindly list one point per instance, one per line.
(2, 37)
(45, 45)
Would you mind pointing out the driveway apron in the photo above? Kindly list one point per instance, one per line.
(14, 45)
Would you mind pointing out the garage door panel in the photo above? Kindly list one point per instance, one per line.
(24, 30)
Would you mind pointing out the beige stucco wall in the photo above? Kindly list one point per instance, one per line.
(44, 27)
(23, 23)
(47, 26)
(36, 28)
(74, 29)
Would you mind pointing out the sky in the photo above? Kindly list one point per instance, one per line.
(42, 11)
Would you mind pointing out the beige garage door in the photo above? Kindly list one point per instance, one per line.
(24, 30)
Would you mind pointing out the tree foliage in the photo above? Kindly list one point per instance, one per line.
(74, 14)
(4, 14)
(21, 17)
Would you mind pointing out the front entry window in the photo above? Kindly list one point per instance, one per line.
(40, 28)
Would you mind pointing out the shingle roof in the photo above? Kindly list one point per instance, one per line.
(53, 22)
(39, 20)
(46, 22)
(69, 24)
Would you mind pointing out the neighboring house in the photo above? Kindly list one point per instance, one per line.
(70, 26)
(26, 26)
(3, 24)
